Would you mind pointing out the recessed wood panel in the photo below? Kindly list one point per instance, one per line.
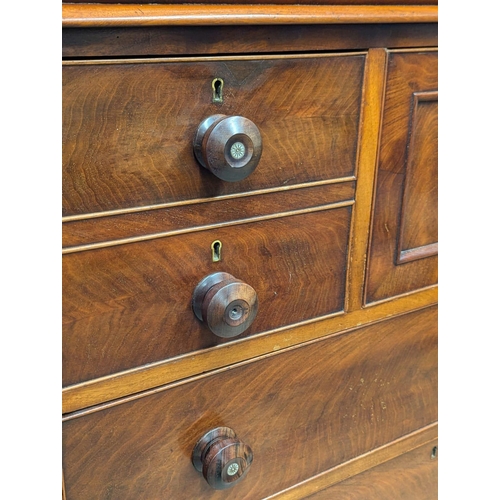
(129, 305)
(302, 412)
(413, 475)
(128, 128)
(419, 212)
(403, 246)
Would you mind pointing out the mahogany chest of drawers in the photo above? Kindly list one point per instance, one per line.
(250, 251)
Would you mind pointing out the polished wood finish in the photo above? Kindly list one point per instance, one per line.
(411, 475)
(142, 447)
(374, 87)
(192, 40)
(275, 2)
(220, 357)
(229, 146)
(334, 384)
(91, 15)
(222, 458)
(131, 304)
(146, 113)
(359, 464)
(225, 304)
(402, 254)
(82, 233)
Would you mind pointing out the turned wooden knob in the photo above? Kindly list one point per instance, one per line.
(229, 146)
(225, 304)
(222, 458)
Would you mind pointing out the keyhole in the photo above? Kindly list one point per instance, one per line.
(216, 251)
(434, 452)
(217, 85)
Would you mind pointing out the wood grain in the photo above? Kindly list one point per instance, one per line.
(128, 127)
(192, 40)
(324, 404)
(418, 230)
(374, 87)
(360, 464)
(219, 358)
(284, 2)
(91, 15)
(408, 73)
(115, 227)
(411, 475)
(130, 305)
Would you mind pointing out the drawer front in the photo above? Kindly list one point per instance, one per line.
(302, 412)
(403, 249)
(411, 475)
(128, 127)
(130, 304)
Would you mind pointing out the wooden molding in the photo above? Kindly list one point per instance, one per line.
(209, 361)
(404, 254)
(375, 75)
(98, 15)
(360, 464)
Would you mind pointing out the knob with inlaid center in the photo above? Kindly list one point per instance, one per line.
(225, 304)
(229, 146)
(222, 458)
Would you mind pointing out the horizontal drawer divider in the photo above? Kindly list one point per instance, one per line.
(196, 201)
(155, 377)
(148, 237)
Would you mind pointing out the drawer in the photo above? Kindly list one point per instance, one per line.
(411, 475)
(128, 126)
(302, 412)
(130, 304)
(403, 247)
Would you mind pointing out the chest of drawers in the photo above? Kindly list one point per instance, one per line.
(249, 251)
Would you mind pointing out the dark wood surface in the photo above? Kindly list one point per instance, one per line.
(412, 476)
(129, 305)
(141, 215)
(192, 40)
(128, 128)
(79, 233)
(301, 412)
(403, 247)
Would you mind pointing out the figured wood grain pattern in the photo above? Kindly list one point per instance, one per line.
(374, 87)
(408, 73)
(217, 359)
(130, 305)
(413, 475)
(359, 464)
(324, 403)
(88, 233)
(419, 209)
(128, 127)
(91, 15)
(192, 40)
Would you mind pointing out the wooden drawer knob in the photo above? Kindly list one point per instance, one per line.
(229, 146)
(225, 304)
(222, 458)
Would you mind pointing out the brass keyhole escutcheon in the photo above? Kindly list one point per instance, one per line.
(216, 251)
(217, 86)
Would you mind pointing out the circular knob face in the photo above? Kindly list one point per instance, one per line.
(229, 146)
(225, 304)
(222, 458)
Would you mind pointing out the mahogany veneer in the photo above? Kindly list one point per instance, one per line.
(325, 251)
